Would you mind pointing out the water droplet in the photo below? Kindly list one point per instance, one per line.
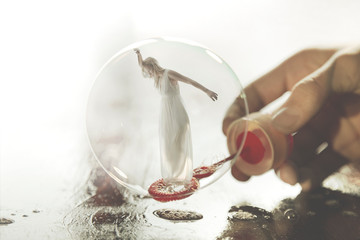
(241, 215)
(291, 214)
(311, 213)
(5, 221)
(101, 217)
(177, 215)
(332, 203)
(349, 213)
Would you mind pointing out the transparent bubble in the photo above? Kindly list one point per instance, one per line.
(126, 123)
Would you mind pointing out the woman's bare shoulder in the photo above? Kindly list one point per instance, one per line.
(175, 75)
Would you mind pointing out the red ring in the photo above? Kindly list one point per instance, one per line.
(158, 191)
(203, 172)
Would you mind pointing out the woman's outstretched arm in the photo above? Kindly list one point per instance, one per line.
(175, 76)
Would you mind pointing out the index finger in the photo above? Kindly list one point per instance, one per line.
(281, 79)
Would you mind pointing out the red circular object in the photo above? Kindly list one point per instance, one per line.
(203, 172)
(161, 192)
(253, 151)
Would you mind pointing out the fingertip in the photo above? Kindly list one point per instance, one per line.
(237, 174)
(306, 186)
(226, 123)
(287, 174)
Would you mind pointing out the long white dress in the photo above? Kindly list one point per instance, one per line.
(175, 134)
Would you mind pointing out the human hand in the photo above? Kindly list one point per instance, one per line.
(323, 109)
(212, 95)
(136, 50)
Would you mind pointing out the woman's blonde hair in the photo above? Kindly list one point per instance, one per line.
(153, 65)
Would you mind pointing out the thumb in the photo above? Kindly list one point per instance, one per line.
(305, 100)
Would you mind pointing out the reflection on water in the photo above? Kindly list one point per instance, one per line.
(226, 210)
(310, 216)
(111, 213)
(114, 214)
(177, 215)
(5, 221)
(248, 222)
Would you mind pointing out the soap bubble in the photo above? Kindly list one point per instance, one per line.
(124, 112)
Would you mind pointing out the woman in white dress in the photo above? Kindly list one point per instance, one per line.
(175, 134)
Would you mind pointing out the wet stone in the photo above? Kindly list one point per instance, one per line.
(332, 203)
(6, 221)
(36, 211)
(100, 218)
(248, 213)
(177, 215)
(311, 213)
(349, 213)
(291, 214)
(241, 215)
(25, 215)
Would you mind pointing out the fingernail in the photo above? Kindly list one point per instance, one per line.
(285, 119)
(288, 174)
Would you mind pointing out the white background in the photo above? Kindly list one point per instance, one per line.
(50, 52)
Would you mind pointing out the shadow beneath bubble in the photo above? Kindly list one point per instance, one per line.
(106, 213)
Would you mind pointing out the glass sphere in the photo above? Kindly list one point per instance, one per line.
(130, 129)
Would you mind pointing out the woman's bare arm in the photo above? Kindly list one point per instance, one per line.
(178, 77)
(140, 59)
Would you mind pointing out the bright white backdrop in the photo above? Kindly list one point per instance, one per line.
(50, 52)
